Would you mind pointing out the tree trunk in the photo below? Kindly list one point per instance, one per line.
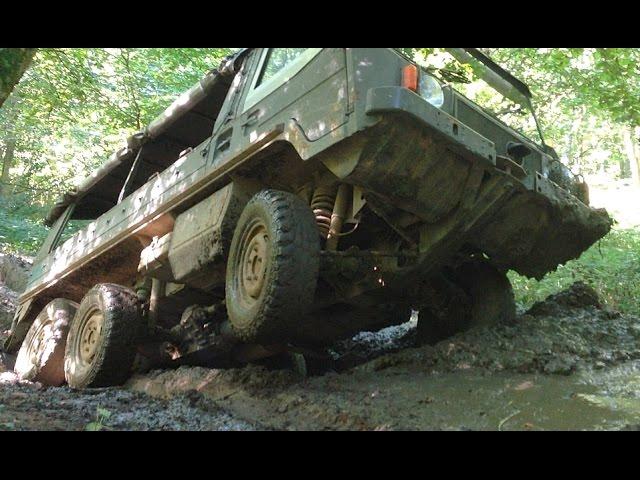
(13, 63)
(632, 147)
(7, 163)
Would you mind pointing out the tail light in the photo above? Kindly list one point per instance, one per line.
(423, 84)
(410, 77)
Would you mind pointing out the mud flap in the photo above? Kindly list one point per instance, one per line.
(202, 235)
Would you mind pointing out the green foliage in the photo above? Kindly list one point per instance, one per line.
(102, 416)
(21, 227)
(611, 266)
(75, 106)
(13, 63)
(585, 99)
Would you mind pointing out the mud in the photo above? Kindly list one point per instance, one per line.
(8, 301)
(30, 406)
(14, 270)
(567, 363)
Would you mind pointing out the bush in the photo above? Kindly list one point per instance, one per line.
(611, 266)
(21, 227)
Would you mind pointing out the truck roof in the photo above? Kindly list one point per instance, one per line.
(187, 122)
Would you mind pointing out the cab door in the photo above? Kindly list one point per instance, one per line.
(306, 85)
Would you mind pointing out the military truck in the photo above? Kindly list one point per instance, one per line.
(292, 198)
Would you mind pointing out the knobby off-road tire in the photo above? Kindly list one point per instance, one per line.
(101, 346)
(273, 265)
(489, 301)
(41, 356)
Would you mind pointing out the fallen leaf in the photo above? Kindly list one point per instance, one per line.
(524, 386)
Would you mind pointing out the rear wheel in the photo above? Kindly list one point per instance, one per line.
(492, 300)
(481, 295)
(101, 347)
(41, 356)
(273, 266)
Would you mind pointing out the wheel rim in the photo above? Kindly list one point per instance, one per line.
(89, 338)
(38, 342)
(252, 263)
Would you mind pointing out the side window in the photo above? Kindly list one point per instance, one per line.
(276, 66)
(53, 238)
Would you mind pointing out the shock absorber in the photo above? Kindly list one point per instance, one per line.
(322, 204)
(329, 205)
(338, 216)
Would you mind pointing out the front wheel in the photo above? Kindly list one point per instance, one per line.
(273, 265)
(101, 346)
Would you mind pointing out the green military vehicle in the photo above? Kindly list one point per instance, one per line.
(294, 197)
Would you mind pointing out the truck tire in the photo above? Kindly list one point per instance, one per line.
(273, 265)
(41, 356)
(491, 293)
(101, 346)
(489, 301)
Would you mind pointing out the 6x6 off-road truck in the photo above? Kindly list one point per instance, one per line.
(294, 197)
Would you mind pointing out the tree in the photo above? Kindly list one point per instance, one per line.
(13, 63)
(74, 107)
(599, 83)
(586, 100)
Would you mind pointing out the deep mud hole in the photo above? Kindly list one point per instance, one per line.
(568, 363)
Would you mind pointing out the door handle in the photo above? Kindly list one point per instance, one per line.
(252, 119)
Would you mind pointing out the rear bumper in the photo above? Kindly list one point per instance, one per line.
(424, 161)
(463, 139)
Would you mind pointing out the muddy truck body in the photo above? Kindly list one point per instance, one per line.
(294, 197)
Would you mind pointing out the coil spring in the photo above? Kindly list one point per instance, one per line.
(322, 204)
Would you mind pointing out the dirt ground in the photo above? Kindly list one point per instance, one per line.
(567, 363)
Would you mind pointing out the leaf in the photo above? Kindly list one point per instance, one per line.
(93, 427)
(103, 413)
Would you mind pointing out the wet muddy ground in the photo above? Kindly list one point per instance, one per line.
(567, 363)
(29, 406)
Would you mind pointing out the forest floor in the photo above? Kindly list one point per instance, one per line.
(570, 361)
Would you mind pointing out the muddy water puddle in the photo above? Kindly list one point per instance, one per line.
(594, 400)
(411, 399)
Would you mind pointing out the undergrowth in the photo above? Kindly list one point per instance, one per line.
(611, 266)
